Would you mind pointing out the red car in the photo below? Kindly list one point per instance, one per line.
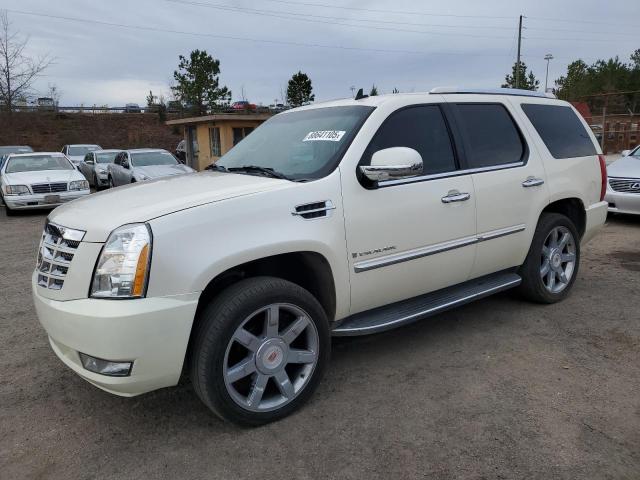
(243, 105)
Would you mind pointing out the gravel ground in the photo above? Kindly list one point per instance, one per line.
(497, 389)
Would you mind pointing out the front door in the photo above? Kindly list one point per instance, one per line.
(412, 236)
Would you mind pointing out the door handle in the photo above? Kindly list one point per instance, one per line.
(532, 182)
(455, 196)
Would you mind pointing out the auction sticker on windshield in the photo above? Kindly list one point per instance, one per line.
(324, 135)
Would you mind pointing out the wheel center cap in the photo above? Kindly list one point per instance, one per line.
(271, 356)
(556, 259)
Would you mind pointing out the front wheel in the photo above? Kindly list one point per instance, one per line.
(260, 350)
(551, 266)
(111, 184)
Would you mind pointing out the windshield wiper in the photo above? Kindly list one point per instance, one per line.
(270, 172)
(217, 168)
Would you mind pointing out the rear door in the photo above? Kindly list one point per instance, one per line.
(508, 176)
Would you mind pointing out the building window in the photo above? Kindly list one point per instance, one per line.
(240, 133)
(214, 140)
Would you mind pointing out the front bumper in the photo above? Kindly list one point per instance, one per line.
(153, 333)
(48, 200)
(623, 202)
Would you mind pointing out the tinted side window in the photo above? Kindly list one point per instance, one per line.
(491, 137)
(560, 130)
(422, 128)
(118, 159)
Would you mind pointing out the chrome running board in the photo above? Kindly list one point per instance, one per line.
(416, 308)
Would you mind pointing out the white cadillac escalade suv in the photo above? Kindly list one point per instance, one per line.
(343, 218)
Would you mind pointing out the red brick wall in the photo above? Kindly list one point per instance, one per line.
(48, 131)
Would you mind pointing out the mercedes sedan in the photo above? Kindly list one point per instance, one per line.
(40, 180)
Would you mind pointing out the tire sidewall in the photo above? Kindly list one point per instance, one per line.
(219, 325)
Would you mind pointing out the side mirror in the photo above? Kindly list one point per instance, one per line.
(625, 153)
(392, 164)
(125, 164)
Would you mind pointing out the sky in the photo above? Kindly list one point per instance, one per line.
(113, 52)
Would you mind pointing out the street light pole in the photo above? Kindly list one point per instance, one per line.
(547, 57)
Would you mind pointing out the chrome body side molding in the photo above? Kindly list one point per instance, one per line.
(408, 255)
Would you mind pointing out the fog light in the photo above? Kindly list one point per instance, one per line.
(105, 367)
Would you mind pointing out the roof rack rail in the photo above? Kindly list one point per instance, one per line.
(493, 91)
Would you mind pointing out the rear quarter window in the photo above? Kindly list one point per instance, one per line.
(560, 129)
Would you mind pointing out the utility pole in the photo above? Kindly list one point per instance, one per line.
(547, 57)
(518, 60)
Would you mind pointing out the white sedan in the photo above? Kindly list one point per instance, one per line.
(623, 189)
(40, 180)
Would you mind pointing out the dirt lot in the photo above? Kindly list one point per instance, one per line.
(497, 389)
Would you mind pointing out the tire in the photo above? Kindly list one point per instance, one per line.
(545, 260)
(95, 183)
(111, 184)
(243, 308)
(10, 213)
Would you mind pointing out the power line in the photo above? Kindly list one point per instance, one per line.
(398, 12)
(303, 18)
(286, 16)
(234, 37)
(369, 20)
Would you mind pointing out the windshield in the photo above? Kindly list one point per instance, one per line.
(301, 145)
(635, 153)
(146, 159)
(82, 150)
(37, 163)
(106, 157)
(7, 150)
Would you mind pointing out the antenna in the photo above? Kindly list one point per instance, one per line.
(360, 95)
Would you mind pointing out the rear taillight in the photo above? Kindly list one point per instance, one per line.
(603, 177)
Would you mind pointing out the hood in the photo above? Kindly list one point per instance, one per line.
(100, 213)
(42, 176)
(155, 171)
(625, 167)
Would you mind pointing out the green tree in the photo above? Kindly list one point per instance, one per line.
(197, 83)
(586, 82)
(524, 81)
(151, 99)
(300, 90)
(374, 91)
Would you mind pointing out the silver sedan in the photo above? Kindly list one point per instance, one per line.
(94, 167)
(623, 189)
(139, 165)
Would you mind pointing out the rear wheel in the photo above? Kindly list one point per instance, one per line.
(260, 351)
(551, 266)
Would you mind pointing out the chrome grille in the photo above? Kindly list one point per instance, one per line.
(625, 185)
(49, 187)
(57, 249)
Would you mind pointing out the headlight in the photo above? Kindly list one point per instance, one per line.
(16, 190)
(79, 185)
(123, 266)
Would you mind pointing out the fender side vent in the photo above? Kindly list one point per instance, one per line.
(309, 211)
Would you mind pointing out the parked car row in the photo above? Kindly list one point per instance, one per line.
(623, 186)
(30, 180)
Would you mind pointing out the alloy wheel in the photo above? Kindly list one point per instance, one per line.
(558, 259)
(271, 357)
